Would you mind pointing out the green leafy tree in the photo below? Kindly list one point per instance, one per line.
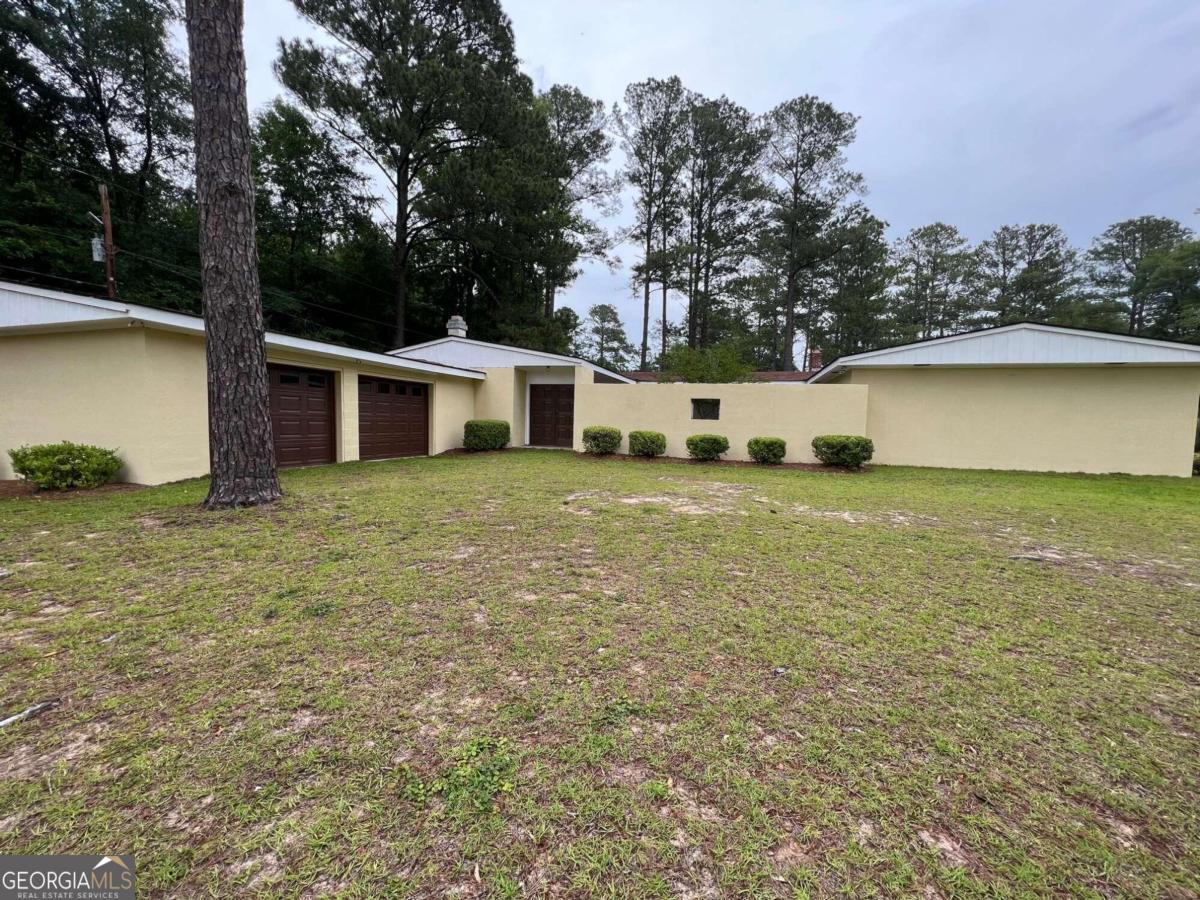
(1117, 254)
(855, 282)
(809, 179)
(936, 277)
(1167, 288)
(604, 340)
(653, 124)
(124, 86)
(580, 141)
(722, 191)
(307, 186)
(1029, 273)
(410, 84)
(719, 364)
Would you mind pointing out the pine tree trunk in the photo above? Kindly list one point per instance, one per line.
(789, 323)
(400, 256)
(665, 278)
(240, 446)
(646, 289)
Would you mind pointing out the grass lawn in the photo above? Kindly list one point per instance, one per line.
(536, 674)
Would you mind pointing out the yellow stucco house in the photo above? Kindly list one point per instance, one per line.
(1018, 397)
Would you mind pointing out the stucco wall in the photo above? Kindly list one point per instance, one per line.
(452, 402)
(795, 412)
(1077, 419)
(86, 386)
(504, 394)
(143, 392)
(495, 398)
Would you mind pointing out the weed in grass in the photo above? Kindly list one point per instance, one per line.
(483, 769)
(618, 710)
(318, 610)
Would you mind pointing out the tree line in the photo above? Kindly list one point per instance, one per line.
(410, 171)
(758, 225)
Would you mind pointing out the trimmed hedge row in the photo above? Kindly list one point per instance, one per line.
(62, 467)
(849, 451)
(486, 434)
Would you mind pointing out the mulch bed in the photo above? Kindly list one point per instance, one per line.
(625, 457)
(17, 488)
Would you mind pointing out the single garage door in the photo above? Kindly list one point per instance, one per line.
(302, 415)
(393, 418)
(551, 415)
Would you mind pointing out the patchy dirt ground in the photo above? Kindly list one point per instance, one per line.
(530, 674)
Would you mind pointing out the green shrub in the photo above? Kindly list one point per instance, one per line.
(1195, 461)
(767, 450)
(647, 443)
(486, 434)
(61, 467)
(707, 446)
(847, 450)
(601, 439)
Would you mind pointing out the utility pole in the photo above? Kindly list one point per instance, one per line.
(110, 275)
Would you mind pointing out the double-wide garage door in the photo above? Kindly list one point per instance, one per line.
(393, 416)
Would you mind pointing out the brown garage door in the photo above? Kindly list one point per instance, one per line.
(551, 415)
(393, 418)
(302, 415)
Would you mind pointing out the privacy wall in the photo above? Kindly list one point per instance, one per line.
(1096, 419)
(795, 412)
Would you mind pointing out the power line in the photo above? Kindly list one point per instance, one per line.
(100, 179)
(195, 273)
(48, 275)
(189, 272)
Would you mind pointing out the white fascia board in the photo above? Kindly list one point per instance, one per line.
(37, 309)
(485, 354)
(1022, 345)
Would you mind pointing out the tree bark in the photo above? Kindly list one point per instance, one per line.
(646, 284)
(665, 278)
(789, 323)
(240, 446)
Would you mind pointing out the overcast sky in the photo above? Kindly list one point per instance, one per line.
(974, 112)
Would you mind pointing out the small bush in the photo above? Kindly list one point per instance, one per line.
(849, 451)
(1195, 461)
(601, 439)
(486, 434)
(647, 443)
(767, 450)
(707, 446)
(61, 467)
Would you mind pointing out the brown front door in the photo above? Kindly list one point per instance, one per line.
(393, 418)
(302, 415)
(552, 415)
